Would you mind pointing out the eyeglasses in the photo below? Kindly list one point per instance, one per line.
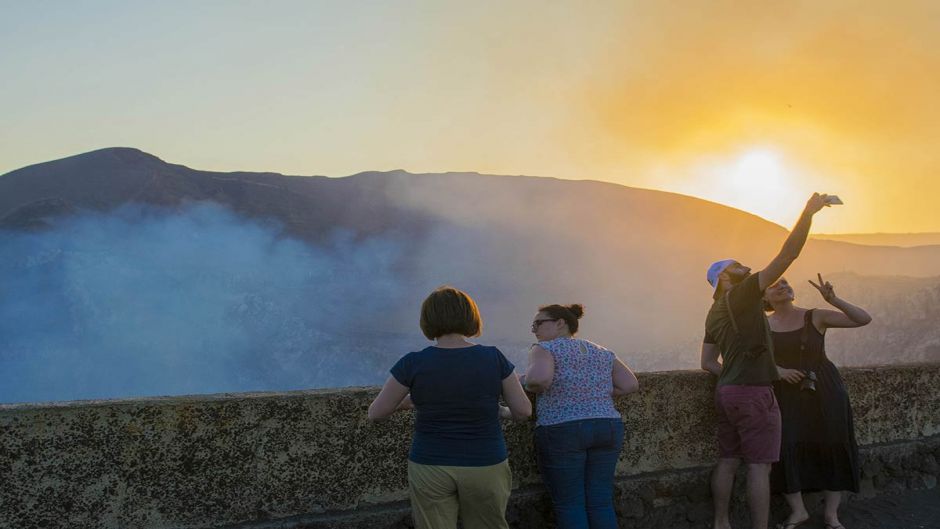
(536, 323)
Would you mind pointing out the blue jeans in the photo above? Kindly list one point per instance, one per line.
(577, 460)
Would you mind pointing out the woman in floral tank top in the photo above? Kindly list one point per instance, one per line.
(579, 432)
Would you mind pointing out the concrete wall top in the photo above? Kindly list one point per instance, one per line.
(208, 461)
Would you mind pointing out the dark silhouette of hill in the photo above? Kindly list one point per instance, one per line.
(104, 179)
(636, 258)
(905, 240)
(615, 216)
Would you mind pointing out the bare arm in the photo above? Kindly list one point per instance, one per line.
(625, 381)
(793, 245)
(405, 404)
(541, 370)
(389, 400)
(848, 316)
(710, 361)
(519, 405)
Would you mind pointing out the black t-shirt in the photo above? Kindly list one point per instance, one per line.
(747, 353)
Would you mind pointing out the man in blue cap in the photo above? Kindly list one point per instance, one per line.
(736, 330)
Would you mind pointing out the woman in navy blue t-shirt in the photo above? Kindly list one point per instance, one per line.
(458, 456)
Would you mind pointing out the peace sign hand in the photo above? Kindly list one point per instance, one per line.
(825, 288)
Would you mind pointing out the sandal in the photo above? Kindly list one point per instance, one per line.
(794, 525)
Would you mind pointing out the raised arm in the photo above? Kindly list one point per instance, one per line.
(710, 361)
(541, 370)
(624, 379)
(390, 399)
(849, 315)
(793, 245)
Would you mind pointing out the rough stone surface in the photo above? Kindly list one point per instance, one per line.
(311, 459)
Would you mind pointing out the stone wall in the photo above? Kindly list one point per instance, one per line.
(312, 459)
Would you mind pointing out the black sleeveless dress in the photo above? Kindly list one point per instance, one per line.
(818, 449)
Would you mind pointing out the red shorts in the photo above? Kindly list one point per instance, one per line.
(748, 423)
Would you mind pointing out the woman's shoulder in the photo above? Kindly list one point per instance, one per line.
(570, 343)
(551, 345)
(436, 354)
(593, 345)
(582, 344)
(420, 354)
(475, 349)
(486, 349)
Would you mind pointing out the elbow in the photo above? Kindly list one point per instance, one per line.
(376, 415)
(536, 385)
(712, 368)
(632, 387)
(523, 414)
(788, 257)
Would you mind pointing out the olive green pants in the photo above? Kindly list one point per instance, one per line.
(480, 495)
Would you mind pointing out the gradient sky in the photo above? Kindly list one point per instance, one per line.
(750, 104)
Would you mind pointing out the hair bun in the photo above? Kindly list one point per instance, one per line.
(577, 309)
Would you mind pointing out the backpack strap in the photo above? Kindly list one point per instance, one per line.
(734, 322)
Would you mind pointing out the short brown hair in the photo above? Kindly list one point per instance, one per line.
(448, 310)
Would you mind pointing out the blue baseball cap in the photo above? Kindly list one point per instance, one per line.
(716, 269)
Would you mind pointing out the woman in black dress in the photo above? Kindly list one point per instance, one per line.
(818, 452)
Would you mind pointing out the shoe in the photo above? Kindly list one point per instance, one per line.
(834, 526)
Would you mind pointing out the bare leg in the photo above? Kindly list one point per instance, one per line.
(722, 485)
(798, 511)
(758, 493)
(832, 499)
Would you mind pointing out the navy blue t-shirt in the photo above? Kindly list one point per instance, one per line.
(456, 397)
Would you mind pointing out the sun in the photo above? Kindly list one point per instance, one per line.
(757, 169)
(758, 179)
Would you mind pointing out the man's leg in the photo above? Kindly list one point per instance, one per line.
(722, 485)
(729, 458)
(758, 494)
(759, 429)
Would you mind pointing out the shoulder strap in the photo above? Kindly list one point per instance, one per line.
(807, 321)
(734, 322)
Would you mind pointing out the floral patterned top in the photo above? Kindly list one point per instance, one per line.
(582, 386)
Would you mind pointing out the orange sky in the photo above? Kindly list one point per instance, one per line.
(753, 104)
(845, 101)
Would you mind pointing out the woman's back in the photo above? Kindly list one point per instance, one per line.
(456, 397)
(582, 385)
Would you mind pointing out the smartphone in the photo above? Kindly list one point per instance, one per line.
(833, 200)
